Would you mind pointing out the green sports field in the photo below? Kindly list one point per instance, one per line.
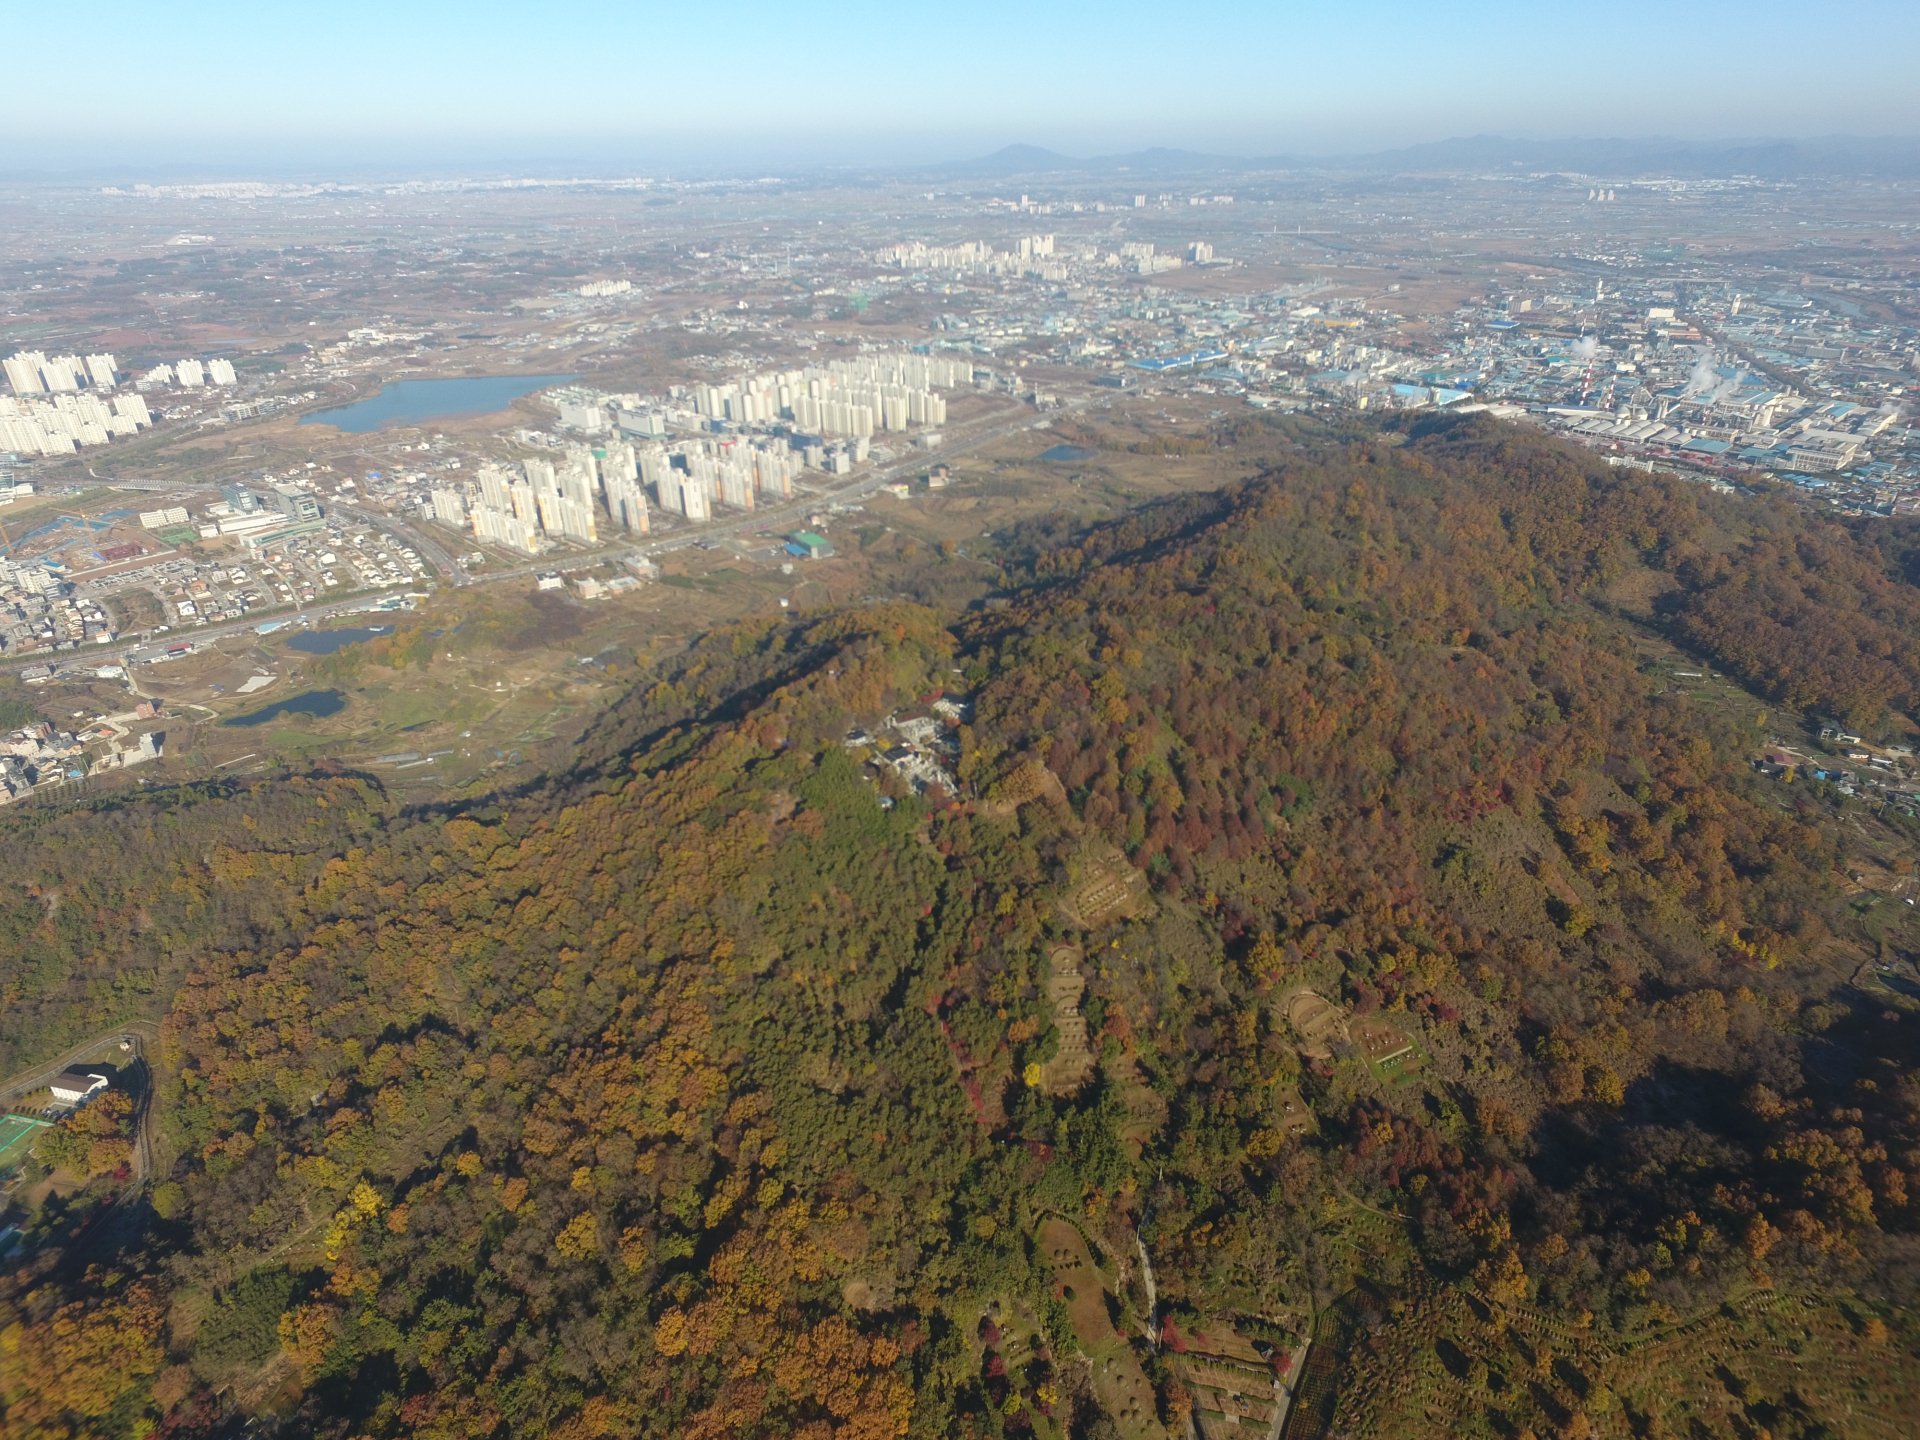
(16, 1138)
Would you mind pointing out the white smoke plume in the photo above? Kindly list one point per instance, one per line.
(1706, 382)
(1703, 378)
(1585, 348)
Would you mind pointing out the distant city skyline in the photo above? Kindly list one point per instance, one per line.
(433, 83)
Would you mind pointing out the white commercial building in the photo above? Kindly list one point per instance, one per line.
(588, 419)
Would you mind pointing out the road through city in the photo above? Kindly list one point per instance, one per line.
(985, 431)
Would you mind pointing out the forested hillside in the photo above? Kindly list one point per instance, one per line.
(1337, 917)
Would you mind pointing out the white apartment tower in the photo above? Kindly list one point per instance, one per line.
(62, 373)
(23, 372)
(617, 463)
(684, 494)
(450, 508)
(505, 512)
(627, 504)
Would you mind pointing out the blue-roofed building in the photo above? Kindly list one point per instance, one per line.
(1179, 362)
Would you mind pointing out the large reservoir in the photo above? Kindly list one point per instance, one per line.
(416, 402)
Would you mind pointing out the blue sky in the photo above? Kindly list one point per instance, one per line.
(351, 80)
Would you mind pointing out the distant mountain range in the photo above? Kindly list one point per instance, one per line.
(1887, 157)
(1766, 158)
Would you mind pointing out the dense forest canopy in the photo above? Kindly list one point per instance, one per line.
(695, 1092)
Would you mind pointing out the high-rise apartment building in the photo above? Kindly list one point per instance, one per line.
(23, 372)
(627, 504)
(505, 511)
(55, 426)
(493, 482)
(617, 463)
(62, 373)
(450, 508)
(505, 528)
(684, 493)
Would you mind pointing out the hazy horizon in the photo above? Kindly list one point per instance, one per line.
(610, 161)
(432, 85)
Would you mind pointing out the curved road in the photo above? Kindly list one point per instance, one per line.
(141, 1032)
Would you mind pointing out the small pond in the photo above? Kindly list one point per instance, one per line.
(317, 703)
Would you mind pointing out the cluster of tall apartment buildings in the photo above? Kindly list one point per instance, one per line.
(66, 422)
(691, 476)
(846, 397)
(969, 255)
(1034, 256)
(1139, 257)
(189, 375)
(31, 373)
(516, 506)
(60, 403)
(527, 505)
(523, 506)
(520, 506)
